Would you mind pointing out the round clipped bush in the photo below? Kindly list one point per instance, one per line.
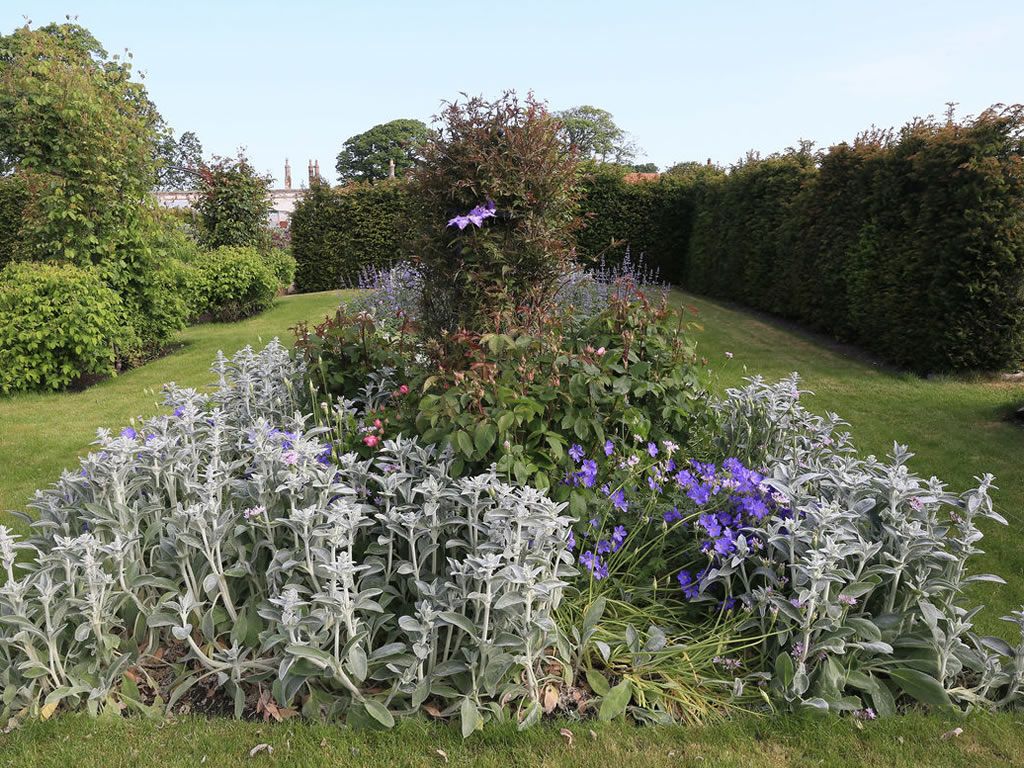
(283, 265)
(59, 325)
(236, 283)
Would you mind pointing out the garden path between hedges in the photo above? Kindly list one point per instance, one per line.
(957, 427)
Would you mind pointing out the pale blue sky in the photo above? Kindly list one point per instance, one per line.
(688, 80)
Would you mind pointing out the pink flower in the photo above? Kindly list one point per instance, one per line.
(404, 389)
(601, 351)
(371, 440)
(377, 424)
(290, 457)
(728, 355)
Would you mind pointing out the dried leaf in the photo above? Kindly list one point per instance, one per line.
(432, 710)
(442, 754)
(550, 699)
(261, 748)
(567, 735)
(951, 734)
(48, 709)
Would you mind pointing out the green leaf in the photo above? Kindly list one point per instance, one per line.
(464, 443)
(379, 712)
(598, 683)
(924, 688)
(470, 717)
(615, 702)
(784, 670)
(484, 437)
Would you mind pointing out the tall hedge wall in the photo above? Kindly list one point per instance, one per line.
(909, 243)
(652, 217)
(338, 232)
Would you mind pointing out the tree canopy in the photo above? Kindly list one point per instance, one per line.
(366, 156)
(179, 160)
(594, 134)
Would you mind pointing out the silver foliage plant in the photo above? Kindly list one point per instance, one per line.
(859, 595)
(223, 546)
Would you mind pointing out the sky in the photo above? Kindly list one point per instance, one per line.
(686, 80)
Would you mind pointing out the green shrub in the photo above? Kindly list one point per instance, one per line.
(281, 263)
(233, 203)
(649, 217)
(235, 283)
(59, 325)
(908, 243)
(519, 400)
(499, 195)
(338, 233)
(13, 197)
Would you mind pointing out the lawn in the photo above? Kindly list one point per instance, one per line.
(955, 426)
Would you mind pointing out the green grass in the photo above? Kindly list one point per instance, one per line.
(956, 427)
(826, 742)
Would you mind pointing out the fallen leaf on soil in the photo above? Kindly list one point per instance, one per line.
(567, 735)
(442, 754)
(261, 748)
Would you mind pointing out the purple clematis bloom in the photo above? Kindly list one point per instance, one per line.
(576, 452)
(475, 217)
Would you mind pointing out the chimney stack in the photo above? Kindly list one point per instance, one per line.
(310, 172)
(287, 174)
(316, 169)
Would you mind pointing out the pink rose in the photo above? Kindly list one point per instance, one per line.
(371, 440)
(404, 389)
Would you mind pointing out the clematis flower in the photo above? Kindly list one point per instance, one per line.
(475, 217)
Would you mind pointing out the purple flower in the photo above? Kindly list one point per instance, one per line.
(179, 411)
(699, 494)
(290, 457)
(619, 500)
(609, 449)
(129, 433)
(475, 217)
(685, 478)
(588, 474)
(689, 585)
(570, 543)
(576, 452)
(673, 515)
(710, 524)
(603, 547)
(754, 507)
(726, 544)
(619, 534)
(652, 449)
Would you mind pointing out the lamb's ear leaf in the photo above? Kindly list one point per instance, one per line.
(922, 687)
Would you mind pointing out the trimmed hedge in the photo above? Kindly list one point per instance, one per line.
(339, 232)
(234, 282)
(59, 325)
(909, 244)
(652, 217)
